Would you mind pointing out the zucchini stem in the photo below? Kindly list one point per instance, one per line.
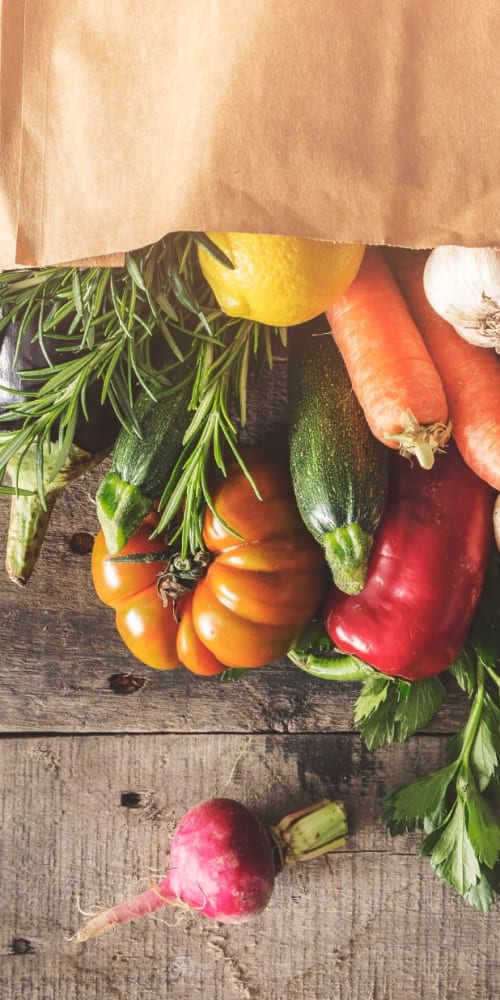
(346, 552)
(121, 509)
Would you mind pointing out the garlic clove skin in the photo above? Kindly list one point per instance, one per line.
(462, 285)
(487, 334)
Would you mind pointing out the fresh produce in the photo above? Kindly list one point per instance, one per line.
(425, 575)
(142, 463)
(386, 708)
(462, 285)
(223, 862)
(277, 280)
(255, 585)
(457, 805)
(36, 484)
(141, 325)
(390, 368)
(204, 555)
(470, 375)
(339, 469)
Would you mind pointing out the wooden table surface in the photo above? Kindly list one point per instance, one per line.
(92, 783)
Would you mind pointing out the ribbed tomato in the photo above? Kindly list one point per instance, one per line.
(264, 581)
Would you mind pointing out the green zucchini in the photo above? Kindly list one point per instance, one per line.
(339, 470)
(142, 463)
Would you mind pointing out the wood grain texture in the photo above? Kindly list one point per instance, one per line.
(371, 921)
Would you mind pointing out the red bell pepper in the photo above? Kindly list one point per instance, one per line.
(425, 574)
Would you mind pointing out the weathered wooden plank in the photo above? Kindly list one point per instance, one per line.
(372, 921)
(60, 651)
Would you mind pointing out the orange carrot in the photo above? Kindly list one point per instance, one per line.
(390, 368)
(470, 374)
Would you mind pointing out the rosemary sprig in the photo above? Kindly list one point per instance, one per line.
(101, 324)
(222, 367)
(114, 319)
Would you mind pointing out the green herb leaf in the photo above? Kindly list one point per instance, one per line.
(409, 806)
(375, 711)
(481, 895)
(204, 241)
(453, 855)
(232, 674)
(386, 711)
(374, 694)
(464, 672)
(485, 750)
(482, 827)
(131, 327)
(418, 708)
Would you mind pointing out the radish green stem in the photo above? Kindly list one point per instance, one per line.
(310, 832)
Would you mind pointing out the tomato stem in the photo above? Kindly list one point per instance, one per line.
(180, 576)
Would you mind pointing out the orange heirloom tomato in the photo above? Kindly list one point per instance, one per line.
(264, 581)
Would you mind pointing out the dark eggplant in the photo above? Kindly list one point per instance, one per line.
(93, 438)
(93, 434)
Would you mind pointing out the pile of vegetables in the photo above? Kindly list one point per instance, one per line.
(365, 553)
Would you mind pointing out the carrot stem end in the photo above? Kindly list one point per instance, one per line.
(420, 441)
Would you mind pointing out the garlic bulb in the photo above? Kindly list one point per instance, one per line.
(462, 285)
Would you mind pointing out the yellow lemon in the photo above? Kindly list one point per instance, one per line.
(279, 280)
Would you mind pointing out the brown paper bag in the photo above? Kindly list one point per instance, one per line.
(351, 121)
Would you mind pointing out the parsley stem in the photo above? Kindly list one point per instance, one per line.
(474, 719)
(493, 674)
